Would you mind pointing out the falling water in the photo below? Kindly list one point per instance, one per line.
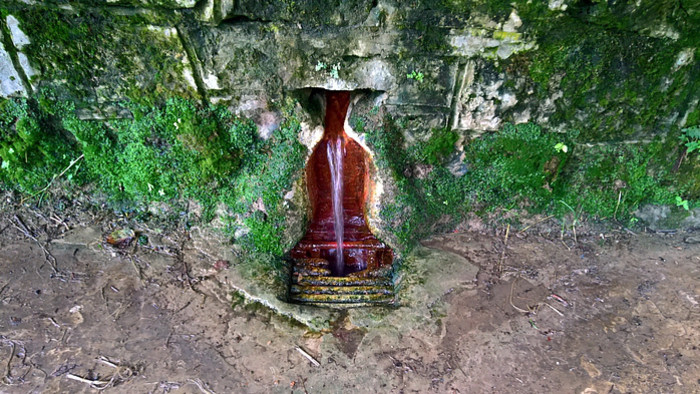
(335, 161)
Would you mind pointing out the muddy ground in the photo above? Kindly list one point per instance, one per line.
(607, 312)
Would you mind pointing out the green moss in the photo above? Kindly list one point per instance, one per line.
(612, 181)
(178, 150)
(32, 152)
(615, 81)
(525, 168)
(441, 143)
(506, 35)
(420, 203)
(519, 165)
(86, 49)
(172, 152)
(268, 173)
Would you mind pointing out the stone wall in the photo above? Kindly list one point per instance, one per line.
(465, 65)
(618, 73)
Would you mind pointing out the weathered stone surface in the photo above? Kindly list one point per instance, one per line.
(237, 59)
(249, 48)
(490, 44)
(10, 82)
(113, 61)
(663, 217)
(253, 286)
(19, 39)
(438, 272)
(478, 101)
(433, 89)
(306, 12)
(428, 276)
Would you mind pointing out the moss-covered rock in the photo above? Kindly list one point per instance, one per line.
(96, 58)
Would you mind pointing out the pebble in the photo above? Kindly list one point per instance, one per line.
(692, 240)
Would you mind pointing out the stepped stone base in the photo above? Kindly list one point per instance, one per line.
(312, 284)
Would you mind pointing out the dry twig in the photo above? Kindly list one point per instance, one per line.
(72, 163)
(200, 385)
(510, 299)
(503, 253)
(536, 223)
(308, 356)
(120, 375)
(14, 344)
(554, 309)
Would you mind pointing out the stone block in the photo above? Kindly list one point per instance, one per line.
(10, 82)
(236, 58)
(100, 58)
(424, 82)
(19, 39)
(493, 44)
(664, 217)
(483, 100)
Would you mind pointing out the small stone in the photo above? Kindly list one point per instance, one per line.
(221, 265)
(692, 240)
(121, 238)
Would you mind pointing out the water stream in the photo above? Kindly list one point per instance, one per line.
(335, 150)
(338, 241)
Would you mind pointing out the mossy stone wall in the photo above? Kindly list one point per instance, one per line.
(180, 83)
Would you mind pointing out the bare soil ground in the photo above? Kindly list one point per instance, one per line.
(612, 312)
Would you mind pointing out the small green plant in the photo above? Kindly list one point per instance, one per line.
(321, 66)
(680, 202)
(561, 147)
(416, 75)
(334, 71)
(691, 138)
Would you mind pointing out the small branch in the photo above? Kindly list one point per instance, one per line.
(200, 385)
(503, 253)
(8, 374)
(72, 163)
(536, 223)
(121, 374)
(554, 309)
(303, 384)
(619, 198)
(308, 356)
(96, 384)
(677, 166)
(510, 299)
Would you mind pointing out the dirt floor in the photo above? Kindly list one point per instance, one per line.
(609, 312)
